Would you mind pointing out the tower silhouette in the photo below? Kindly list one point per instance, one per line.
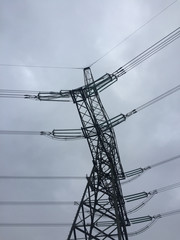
(101, 213)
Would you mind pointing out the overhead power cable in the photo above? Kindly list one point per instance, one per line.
(18, 91)
(20, 224)
(109, 78)
(128, 198)
(122, 117)
(130, 35)
(61, 96)
(75, 134)
(169, 92)
(151, 220)
(154, 100)
(135, 173)
(156, 47)
(58, 134)
(80, 68)
(39, 66)
(103, 82)
(103, 223)
(11, 132)
(148, 196)
(39, 203)
(8, 177)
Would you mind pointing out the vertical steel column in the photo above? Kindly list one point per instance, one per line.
(101, 213)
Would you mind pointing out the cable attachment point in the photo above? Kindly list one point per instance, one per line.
(153, 192)
(45, 133)
(157, 216)
(27, 96)
(131, 113)
(147, 168)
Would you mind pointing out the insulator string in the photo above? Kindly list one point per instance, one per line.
(142, 170)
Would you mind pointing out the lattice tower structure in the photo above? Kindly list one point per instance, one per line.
(101, 213)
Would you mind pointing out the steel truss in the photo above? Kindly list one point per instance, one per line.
(101, 213)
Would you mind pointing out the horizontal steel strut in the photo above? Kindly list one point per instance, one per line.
(102, 199)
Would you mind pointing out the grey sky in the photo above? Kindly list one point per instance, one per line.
(76, 33)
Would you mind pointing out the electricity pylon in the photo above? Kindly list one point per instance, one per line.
(101, 213)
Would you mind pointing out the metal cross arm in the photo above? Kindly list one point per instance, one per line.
(62, 95)
(64, 134)
(104, 82)
(112, 122)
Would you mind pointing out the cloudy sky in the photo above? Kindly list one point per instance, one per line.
(75, 34)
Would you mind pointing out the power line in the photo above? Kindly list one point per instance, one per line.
(61, 96)
(39, 66)
(135, 173)
(18, 91)
(156, 47)
(128, 198)
(80, 68)
(166, 188)
(151, 219)
(130, 35)
(65, 95)
(148, 196)
(58, 134)
(169, 92)
(103, 223)
(126, 67)
(162, 162)
(21, 203)
(7, 177)
(75, 134)
(132, 173)
(122, 117)
(11, 132)
(154, 100)
(35, 224)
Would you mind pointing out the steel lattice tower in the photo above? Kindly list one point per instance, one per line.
(101, 213)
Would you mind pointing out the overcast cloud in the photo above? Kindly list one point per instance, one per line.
(75, 34)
